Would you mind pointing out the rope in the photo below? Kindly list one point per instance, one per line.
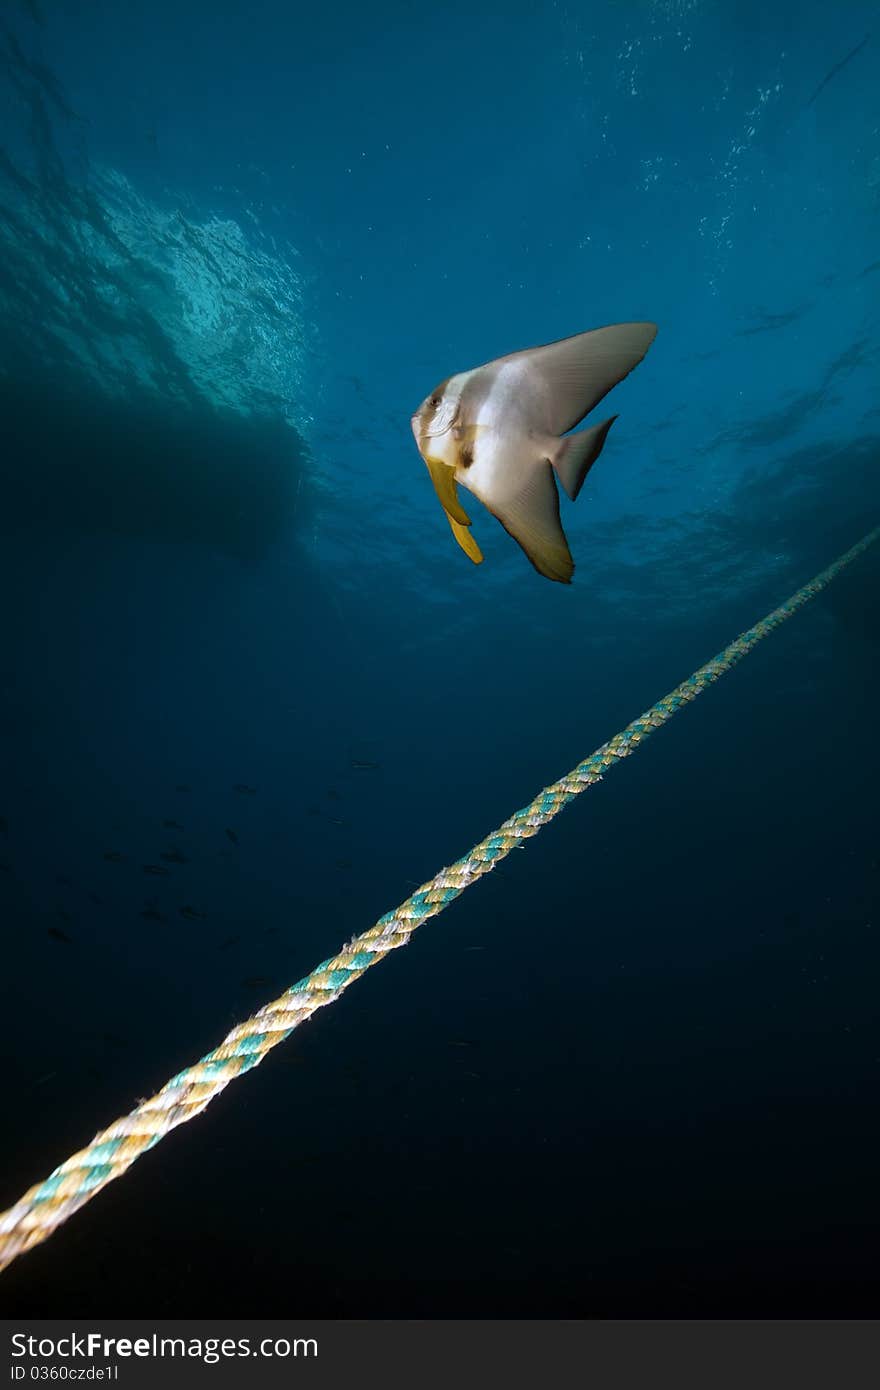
(46, 1205)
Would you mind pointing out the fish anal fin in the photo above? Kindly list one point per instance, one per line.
(576, 455)
(531, 516)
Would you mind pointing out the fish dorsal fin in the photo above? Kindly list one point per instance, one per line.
(564, 380)
(576, 455)
(531, 516)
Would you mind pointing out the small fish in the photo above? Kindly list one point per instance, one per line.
(157, 870)
(172, 825)
(65, 916)
(334, 820)
(232, 835)
(333, 794)
(113, 856)
(152, 914)
(181, 787)
(464, 1042)
(228, 941)
(244, 790)
(362, 765)
(343, 863)
(191, 914)
(58, 935)
(256, 981)
(174, 856)
(497, 430)
(837, 68)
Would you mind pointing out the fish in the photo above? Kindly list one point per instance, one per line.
(231, 835)
(152, 914)
(157, 870)
(497, 429)
(838, 67)
(244, 790)
(58, 935)
(362, 765)
(113, 856)
(171, 825)
(174, 856)
(181, 787)
(191, 914)
(228, 941)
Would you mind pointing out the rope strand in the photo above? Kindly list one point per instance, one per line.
(111, 1153)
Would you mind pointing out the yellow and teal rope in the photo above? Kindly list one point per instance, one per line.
(46, 1205)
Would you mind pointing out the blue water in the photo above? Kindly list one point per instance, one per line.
(635, 1070)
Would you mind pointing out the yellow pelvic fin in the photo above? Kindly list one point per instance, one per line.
(443, 478)
(466, 541)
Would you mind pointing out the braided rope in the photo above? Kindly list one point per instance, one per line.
(46, 1205)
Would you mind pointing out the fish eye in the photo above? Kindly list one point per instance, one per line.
(435, 401)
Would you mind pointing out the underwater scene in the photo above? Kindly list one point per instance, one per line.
(317, 564)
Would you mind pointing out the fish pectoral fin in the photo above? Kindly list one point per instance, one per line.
(443, 478)
(465, 540)
(531, 516)
(468, 434)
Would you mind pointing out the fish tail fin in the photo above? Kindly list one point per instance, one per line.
(576, 455)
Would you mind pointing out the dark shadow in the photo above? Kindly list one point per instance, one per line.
(77, 460)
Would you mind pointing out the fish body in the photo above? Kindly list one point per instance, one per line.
(498, 430)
